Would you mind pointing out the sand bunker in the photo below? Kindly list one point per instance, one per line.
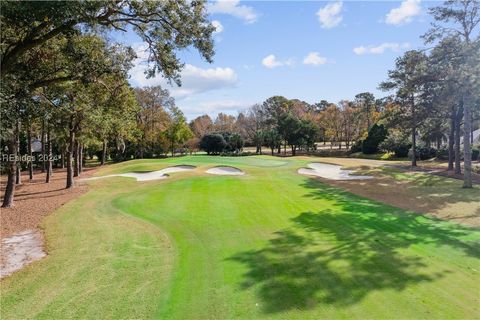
(19, 250)
(330, 171)
(229, 171)
(147, 176)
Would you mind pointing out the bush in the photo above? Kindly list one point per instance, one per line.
(397, 143)
(234, 142)
(424, 153)
(213, 143)
(356, 147)
(375, 136)
(475, 154)
(442, 153)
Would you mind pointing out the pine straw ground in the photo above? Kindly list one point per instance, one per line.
(34, 199)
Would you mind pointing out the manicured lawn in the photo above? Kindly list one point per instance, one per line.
(270, 244)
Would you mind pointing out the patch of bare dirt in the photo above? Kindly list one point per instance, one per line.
(34, 199)
(20, 250)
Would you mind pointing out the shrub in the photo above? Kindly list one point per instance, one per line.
(397, 143)
(424, 153)
(375, 136)
(234, 142)
(442, 153)
(213, 143)
(475, 154)
(356, 147)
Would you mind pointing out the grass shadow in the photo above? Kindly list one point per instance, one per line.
(340, 254)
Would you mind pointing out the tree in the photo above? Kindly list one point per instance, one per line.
(409, 78)
(375, 136)
(224, 123)
(152, 119)
(461, 18)
(166, 26)
(234, 142)
(366, 102)
(272, 139)
(213, 143)
(201, 125)
(177, 132)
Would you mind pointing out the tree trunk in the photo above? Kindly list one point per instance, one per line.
(458, 124)
(104, 152)
(29, 148)
(43, 146)
(451, 140)
(70, 152)
(18, 166)
(49, 154)
(273, 149)
(63, 159)
(414, 135)
(467, 148)
(414, 146)
(80, 159)
(12, 173)
(75, 160)
(285, 148)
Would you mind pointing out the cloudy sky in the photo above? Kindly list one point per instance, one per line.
(307, 50)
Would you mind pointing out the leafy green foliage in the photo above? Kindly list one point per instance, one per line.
(213, 143)
(375, 136)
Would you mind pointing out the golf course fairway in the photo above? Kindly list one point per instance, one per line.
(269, 244)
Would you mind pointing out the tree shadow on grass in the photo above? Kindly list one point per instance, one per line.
(340, 254)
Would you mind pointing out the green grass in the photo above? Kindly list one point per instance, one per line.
(270, 244)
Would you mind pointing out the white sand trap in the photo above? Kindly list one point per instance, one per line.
(330, 171)
(147, 176)
(19, 250)
(229, 171)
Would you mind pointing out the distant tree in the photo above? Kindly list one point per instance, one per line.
(153, 119)
(234, 142)
(366, 103)
(224, 123)
(177, 131)
(272, 139)
(201, 125)
(409, 79)
(213, 143)
(375, 136)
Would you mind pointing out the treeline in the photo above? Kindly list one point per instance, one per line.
(280, 124)
(64, 81)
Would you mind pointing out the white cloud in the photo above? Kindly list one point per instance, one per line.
(315, 59)
(194, 79)
(330, 15)
(218, 26)
(232, 7)
(381, 48)
(405, 13)
(271, 62)
(212, 108)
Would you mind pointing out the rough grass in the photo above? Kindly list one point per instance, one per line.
(270, 244)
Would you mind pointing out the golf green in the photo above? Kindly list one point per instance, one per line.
(268, 244)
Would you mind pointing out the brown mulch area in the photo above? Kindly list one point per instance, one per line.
(34, 199)
(451, 174)
(438, 171)
(404, 195)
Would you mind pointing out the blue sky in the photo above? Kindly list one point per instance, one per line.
(322, 50)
